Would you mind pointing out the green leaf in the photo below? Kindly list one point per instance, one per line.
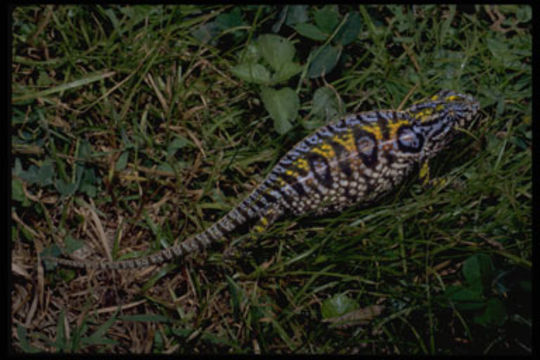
(255, 73)
(178, 143)
(296, 14)
(23, 341)
(282, 105)
(327, 18)
(494, 315)
(251, 54)
(478, 269)
(338, 305)
(524, 14)
(122, 161)
(276, 50)
(65, 189)
(350, 30)
(206, 33)
(230, 20)
(310, 31)
(17, 192)
(42, 175)
(325, 103)
(88, 182)
(165, 167)
(85, 150)
(72, 244)
(466, 298)
(324, 61)
(286, 72)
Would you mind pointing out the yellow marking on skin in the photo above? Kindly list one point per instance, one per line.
(394, 126)
(324, 150)
(291, 173)
(281, 182)
(375, 130)
(301, 163)
(439, 108)
(435, 97)
(346, 140)
(452, 98)
(264, 221)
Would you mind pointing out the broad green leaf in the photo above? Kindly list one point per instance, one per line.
(122, 161)
(85, 150)
(350, 30)
(296, 14)
(255, 73)
(494, 315)
(251, 54)
(327, 18)
(286, 72)
(65, 189)
(466, 298)
(324, 61)
(178, 143)
(45, 173)
(338, 305)
(231, 19)
(89, 182)
(325, 103)
(165, 167)
(478, 269)
(72, 244)
(310, 31)
(23, 340)
(206, 33)
(17, 192)
(282, 105)
(276, 50)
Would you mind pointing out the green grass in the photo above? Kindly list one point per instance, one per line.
(129, 128)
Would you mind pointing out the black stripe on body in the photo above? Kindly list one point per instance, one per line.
(321, 168)
(341, 157)
(366, 144)
(382, 122)
(293, 182)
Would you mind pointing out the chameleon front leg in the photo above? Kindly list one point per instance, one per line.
(425, 179)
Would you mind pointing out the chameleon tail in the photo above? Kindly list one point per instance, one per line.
(245, 211)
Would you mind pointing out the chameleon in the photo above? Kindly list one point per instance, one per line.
(353, 160)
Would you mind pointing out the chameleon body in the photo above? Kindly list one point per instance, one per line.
(355, 159)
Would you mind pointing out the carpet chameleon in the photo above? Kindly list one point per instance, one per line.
(352, 160)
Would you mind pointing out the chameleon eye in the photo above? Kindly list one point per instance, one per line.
(408, 140)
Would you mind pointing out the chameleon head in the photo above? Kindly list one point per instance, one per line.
(437, 118)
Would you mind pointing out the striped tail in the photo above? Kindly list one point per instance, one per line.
(250, 208)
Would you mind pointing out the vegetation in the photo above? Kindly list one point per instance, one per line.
(133, 127)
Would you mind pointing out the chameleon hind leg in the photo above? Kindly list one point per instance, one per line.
(268, 218)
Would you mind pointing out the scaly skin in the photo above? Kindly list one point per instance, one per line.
(353, 160)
